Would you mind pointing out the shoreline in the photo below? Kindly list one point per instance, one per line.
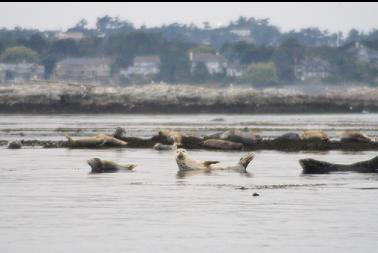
(60, 98)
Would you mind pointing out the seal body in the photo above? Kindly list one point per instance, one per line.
(187, 163)
(104, 166)
(288, 137)
(315, 135)
(222, 144)
(240, 167)
(15, 145)
(244, 137)
(172, 136)
(100, 140)
(312, 166)
(355, 136)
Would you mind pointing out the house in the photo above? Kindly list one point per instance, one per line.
(234, 69)
(363, 52)
(214, 63)
(21, 72)
(312, 69)
(93, 70)
(69, 35)
(143, 66)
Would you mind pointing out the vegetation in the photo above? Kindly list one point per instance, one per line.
(19, 54)
(267, 55)
(260, 74)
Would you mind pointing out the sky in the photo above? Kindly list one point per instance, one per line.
(60, 16)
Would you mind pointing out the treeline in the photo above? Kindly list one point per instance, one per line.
(267, 55)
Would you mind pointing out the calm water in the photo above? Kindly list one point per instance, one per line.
(50, 203)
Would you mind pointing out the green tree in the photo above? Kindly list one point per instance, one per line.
(200, 73)
(287, 54)
(175, 64)
(19, 54)
(260, 74)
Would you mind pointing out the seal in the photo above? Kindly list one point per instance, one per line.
(354, 136)
(288, 137)
(103, 166)
(119, 133)
(244, 137)
(221, 144)
(97, 141)
(312, 166)
(187, 163)
(240, 167)
(15, 145)
(161, 147)
(172, 136)
(315, 135)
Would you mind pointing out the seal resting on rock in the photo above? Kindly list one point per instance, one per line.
(119, 133)
(312, 166)
(244, 137)
(103, 166)
(186, 163)
(173, 136)
(315, 135)
(288, 137)
(15, 145)
(100, 140)
(354, 136)
(222, 144)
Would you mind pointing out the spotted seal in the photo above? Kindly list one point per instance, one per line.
(104, 166)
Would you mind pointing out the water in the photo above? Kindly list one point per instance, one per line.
(50, 202)
(54, 127)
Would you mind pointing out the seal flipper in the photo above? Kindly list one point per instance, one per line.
(208, 163)
(367, 166)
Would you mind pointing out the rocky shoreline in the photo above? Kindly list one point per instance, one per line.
(163, 98)
(192, 142)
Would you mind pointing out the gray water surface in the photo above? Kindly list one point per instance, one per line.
(51, 203)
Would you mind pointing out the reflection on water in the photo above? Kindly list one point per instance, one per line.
(51, 203)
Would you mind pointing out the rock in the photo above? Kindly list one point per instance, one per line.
(15, 145)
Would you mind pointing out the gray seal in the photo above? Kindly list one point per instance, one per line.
(312, 166)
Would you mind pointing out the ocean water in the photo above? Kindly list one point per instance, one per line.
(51, 203)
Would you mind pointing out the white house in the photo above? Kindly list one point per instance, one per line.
(21, 72)
(214, 63)
(143, 66)
(312, 69)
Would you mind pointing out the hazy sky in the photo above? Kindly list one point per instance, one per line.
(331, 16)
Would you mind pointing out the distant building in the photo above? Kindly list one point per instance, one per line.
(312, 69)
(94, 70)
(143, 66)
(21, 72)
(234, 69)
(363, 52)
(214, 63)
(69, 35)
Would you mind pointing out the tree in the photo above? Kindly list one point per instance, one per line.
(175, 64)
(19, 54)
(200, 73)
(260, 74)
(37, 42)
(286, 56)
(65, 48)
